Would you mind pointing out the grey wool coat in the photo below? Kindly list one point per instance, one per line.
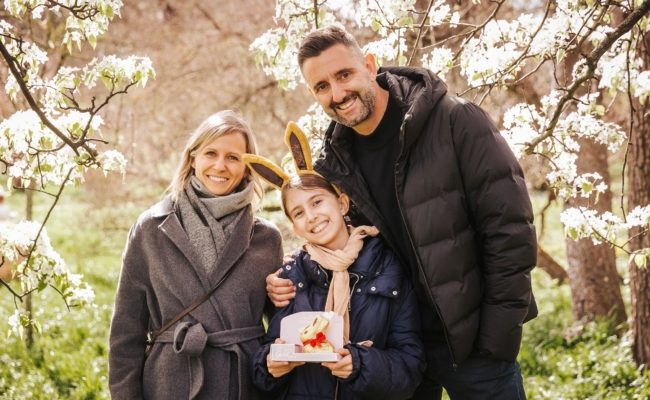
(207, 354)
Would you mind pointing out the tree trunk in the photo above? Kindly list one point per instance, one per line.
(592, 271)
(638, 193)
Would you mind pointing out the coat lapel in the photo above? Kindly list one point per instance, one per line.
(173, 229)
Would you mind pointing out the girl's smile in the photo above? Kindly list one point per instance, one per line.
(317, 216)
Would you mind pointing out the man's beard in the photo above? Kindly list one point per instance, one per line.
(367, 100)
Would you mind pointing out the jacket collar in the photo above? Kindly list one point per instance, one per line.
(163, 208)
(417, 91)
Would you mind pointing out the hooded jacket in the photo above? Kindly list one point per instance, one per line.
(463, 198)
(383, 309)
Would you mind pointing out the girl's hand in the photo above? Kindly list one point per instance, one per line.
(343, 367)
(280, 368)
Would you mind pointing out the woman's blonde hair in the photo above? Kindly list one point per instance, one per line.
(222, 123)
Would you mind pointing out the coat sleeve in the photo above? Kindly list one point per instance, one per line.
(262, 379)
(395, 371)
(501, 213)
(129, 327)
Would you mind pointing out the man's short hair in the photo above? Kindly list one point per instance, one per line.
(322, 39)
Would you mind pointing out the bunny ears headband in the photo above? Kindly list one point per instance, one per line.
(267, 170)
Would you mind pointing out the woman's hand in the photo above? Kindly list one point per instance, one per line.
(280, 368)
(343, 367)
(280, 290)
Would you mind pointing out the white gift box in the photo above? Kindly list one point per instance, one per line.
(290, 328)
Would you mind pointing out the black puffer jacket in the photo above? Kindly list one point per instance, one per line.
(383, 309)
(464, 200)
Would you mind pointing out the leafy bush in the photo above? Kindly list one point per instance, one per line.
(562, 361)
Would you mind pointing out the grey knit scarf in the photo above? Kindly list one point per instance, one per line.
(209, 220)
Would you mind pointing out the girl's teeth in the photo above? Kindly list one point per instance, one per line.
(318, 229)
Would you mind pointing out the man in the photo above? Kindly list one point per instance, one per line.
(432, 172)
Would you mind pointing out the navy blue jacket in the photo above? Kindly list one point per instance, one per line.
(383, 308)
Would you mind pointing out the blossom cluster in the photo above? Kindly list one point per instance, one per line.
(26, 247)
(54, 142)
(582, 222)
(499, 53)
(86, 20)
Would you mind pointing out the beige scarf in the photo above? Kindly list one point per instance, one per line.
(338, 261)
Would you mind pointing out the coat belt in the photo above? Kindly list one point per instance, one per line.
(191, 339)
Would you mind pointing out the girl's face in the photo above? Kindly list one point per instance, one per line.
(317, 216)
(219, 164)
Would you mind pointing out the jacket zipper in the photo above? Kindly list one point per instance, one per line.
(354, 285)
(336, 390)
(417, 257)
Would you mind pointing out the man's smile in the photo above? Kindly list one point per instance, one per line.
(345, 104)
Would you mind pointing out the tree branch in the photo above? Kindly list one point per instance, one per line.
(550, 266)
(417, 39)
(592, 61)
(11, 63)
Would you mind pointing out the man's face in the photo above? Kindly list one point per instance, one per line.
(342, 82)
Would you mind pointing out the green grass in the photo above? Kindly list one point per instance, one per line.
(69, 358)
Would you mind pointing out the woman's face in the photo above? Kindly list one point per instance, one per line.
(317, 216)
(219, 165)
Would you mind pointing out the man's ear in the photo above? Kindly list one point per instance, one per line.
(371, 64)
(344, 201)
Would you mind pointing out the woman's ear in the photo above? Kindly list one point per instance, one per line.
(344, 201)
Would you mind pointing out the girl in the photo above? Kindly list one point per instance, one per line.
(192, 279)
(352, 273)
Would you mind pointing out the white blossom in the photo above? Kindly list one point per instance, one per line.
(439, 60)
(642, 86)
(439, 13)
(386, 49)
(112, 161)
(638, 217)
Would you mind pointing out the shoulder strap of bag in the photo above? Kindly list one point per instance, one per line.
(151, 336)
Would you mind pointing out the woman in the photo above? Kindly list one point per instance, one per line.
(201, 236)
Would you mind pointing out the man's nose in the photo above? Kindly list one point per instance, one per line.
(338, 92)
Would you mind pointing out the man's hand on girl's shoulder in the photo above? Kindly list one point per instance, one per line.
(279, 290)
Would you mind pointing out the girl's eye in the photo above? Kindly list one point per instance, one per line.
(233, 158)
(210, 153)
(297, 214)
(317, 202)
